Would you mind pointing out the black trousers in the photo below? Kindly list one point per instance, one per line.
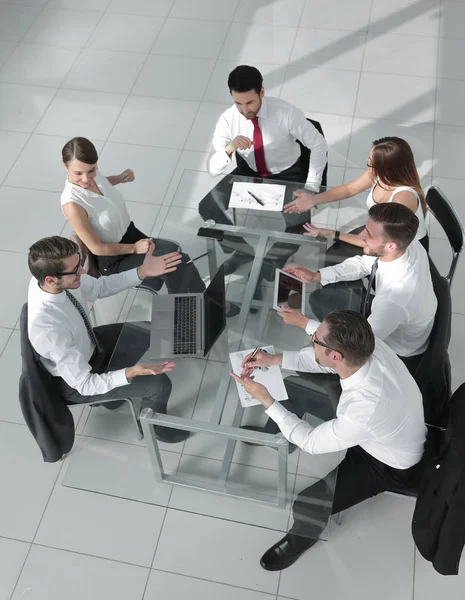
(213, 207)
(186, 278)
(303, 398)
(359, 476)
(130, 343)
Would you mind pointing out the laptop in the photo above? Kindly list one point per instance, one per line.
(188, 324)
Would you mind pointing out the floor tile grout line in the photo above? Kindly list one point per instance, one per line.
(193, 121)
(435, 109)
(68, 550)
(180, 453)
(286, 67)
(57, 91)
(240, 587)
(10, 335)
(52, 490)
(355, 103)
(130, 94)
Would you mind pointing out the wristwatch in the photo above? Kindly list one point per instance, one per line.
(336, 235)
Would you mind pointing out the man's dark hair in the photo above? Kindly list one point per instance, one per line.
(350, 334)
(46, 257)
(400, 224)
(244, 79)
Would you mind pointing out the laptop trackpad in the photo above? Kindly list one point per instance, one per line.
(163, 320)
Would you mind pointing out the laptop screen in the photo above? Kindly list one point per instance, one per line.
(215, 309)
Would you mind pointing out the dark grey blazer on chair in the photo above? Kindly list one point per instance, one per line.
(438, 526)
(46, 414)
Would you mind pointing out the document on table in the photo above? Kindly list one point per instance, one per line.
(271, 195)
(272, 378)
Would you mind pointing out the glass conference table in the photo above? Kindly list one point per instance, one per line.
(216, 471)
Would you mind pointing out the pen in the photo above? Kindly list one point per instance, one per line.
(257, 199)
(254, 353)
(197, 258)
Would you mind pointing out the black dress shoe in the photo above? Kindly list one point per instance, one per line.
(235, 261)
(292, 447)
(285, 552)
(170, 435)
(113, 405)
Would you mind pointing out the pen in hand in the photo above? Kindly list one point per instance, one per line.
(197, 257)
(253, 355)
(256, 198)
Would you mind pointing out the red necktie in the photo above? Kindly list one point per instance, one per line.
(258, 149)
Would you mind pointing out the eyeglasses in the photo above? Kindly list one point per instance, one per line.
(315, 340)
(76, 270)
(369, 166)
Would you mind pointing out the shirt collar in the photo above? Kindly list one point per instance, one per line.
(47, 297)
(263, 112)
(83, 191)
(395, 265)
(357, 378)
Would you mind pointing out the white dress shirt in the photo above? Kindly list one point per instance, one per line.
(380, 410)
(58, 334)
(404, 306)
(107, 213)
(281, 125)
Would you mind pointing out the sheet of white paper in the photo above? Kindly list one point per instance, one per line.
(271, 379)
(271, 195)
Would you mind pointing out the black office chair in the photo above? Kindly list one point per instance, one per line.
(433, 374)
(46, 413)
(304, 158)
(444, 213)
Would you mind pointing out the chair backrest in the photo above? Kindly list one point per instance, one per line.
(433, 374)
(444, 212)
(88, 260)
(46, 414)
(305, 155)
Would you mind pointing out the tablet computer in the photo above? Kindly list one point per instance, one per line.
(286, 285)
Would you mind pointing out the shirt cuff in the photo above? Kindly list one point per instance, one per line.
(312, 326)
(119, 378)
(290, 360)
(220, 161)
(277, 412)
(327, 275)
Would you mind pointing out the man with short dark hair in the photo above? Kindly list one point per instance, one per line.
(402, 309)
(379, 421)
(264, 132)
(78, 355)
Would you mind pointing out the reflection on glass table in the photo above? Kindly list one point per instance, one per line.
(221, 469)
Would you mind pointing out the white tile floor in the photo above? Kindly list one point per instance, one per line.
(145, 80)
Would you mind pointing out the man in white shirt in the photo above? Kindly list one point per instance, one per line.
(76, 354)
(275, 123)
(262, 132)
(404, 305)
(379, 421)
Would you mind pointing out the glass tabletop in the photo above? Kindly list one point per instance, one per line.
(214, 472)
(235, 197)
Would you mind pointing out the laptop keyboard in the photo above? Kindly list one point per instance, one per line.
(185, 334)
